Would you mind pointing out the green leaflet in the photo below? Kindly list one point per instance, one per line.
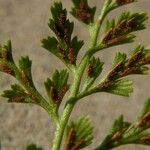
(94, 69)
(82, 11)
(63, 46)
(6, 52)
(139, 48)
(59, 79)
(25, 66)
(120, 87)
(136, 63)
(83, 133)
(6, 59)
(50, 43)
(119, 32)
(109, 24)
(119, 125)
(140, 57)
(57, 86)
(77, 45)
(123, 132)
(127, 22)
(137, 19)
(18, 94)
(147, 52)
(56, 9)
(62, 27)
(120, 57)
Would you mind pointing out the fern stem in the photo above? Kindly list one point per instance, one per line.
(70, 105)
(77, 80)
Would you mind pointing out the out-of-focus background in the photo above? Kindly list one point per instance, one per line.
(25, 23)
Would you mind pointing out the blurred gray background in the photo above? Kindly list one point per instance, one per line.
(25, 23)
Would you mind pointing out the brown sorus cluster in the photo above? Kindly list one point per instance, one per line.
(131, 66)
(62, 32)
(84, 13)
(115, 40)
(110, 38)
(71, 56)
(71, 143)
(128, 71)
(116, 70)
(4, 67)
(71, 139)
(145, 120)
(124, 71)
(5, 54)
(66, 35)
(145, 60)
(62, 18)
(135, 58)
(58, 31)
(57, 96)
(25, 78)
(6, 57)
(21, 99)
(90, 70)
(60, 28)
(145, 140)
(16, 99)
(67, 55)
(106, 85)
(54, 95)
(62, 92)
(61, 51)
(116, 35)
(117, 136)
(32, 97)
(122, 2)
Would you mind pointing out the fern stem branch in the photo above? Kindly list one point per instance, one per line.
(77, 80)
